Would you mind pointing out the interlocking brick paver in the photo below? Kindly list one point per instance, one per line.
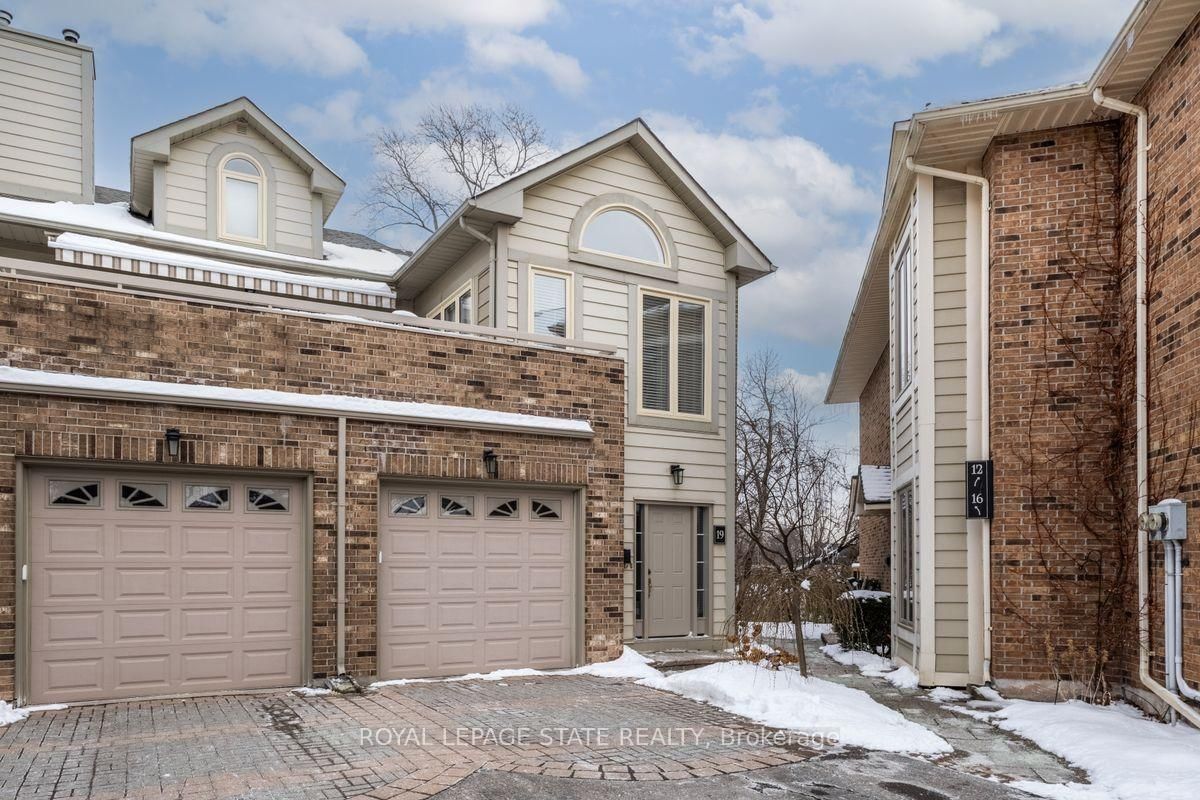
(397, 743)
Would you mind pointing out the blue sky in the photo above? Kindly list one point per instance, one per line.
(781, 108)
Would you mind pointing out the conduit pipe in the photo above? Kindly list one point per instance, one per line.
(341, 546)
(983, 354)
(1182, 684)
(1143, 434)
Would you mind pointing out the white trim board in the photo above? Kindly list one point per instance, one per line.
(28, 381)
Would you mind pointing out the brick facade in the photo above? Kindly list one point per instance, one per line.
(1056, 398)
(875, 447)
(88, 331)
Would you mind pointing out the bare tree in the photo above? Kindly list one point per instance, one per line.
(453, 152)
(792, 511)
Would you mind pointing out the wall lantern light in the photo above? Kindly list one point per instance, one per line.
(173, 436)
(491, 463)
(677, 474)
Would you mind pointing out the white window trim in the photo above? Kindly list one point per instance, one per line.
(260, 182)
(568, 279)
(673, 356)
(905, 245)
(662, 242)
(452, 299)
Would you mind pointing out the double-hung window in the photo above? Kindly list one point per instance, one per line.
(550, 300)
(906, 544)
(902, 287)
(456, 308)
(674, 347)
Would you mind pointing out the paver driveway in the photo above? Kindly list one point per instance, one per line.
(408, 741)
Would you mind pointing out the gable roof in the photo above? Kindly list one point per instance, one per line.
(957, 136)
(155, 146)
(506, 203)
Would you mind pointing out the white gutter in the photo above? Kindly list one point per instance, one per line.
(984, 419)
(341, 546)
(1143, 433)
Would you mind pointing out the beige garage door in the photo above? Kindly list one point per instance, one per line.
(153, 583)
(474, 581)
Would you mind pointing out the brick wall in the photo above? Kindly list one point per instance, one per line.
(875, 447)
(86, 331)
(1056, 399)
(1174, 314)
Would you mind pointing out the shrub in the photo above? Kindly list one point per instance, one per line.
(864, 622)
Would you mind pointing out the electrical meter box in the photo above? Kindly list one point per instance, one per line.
(1166, 521)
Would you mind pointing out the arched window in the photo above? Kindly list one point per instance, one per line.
(623, 232)
(243, 193)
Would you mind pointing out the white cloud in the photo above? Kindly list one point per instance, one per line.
(765, 114)
(450, 87)
(891, 38)
(312, 36)
(503, 50)
(804, 209)
(339, 117)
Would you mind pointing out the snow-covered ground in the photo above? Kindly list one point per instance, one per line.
(9, 715)
(787, 630)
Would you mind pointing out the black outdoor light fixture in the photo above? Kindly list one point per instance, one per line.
(677, 474)
(491, 463)
(173, 436)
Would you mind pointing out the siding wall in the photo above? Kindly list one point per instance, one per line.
(950, 436)
(904, 451)
(474, 268)
(46, 117)
(186, 189)
(603, 298)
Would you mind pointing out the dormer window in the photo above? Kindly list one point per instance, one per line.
(623, 232)
(243, 194)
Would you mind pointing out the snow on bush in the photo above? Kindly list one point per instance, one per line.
(785, 699)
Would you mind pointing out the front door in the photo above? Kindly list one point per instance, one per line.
(668, 576)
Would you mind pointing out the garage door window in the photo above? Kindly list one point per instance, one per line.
(546, 509)
(263, 498)
(143, 495)
(408, 505)
(503, 508)
(205, 497)
(74, 493)
(458, 506)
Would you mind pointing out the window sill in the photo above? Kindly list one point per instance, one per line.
(696, 425)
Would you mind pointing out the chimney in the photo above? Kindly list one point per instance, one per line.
(5, 17)
(70, 35)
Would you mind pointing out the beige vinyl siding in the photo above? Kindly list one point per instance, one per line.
(950, 438)
(603, 295)
(45, 118)
(186, 187)
(476, 263)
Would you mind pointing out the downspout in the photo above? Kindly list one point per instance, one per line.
(983, 355)
(341, 546)
(494, 269)
(1143, 433)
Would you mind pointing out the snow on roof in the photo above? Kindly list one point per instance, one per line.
(77, 242)
(323, 404)
(876, 483)
(115, 218)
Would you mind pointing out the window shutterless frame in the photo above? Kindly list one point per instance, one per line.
(662, 242)
(906, 544)
(454, 301)
(672, 411)
(568, 280)
(258, 181)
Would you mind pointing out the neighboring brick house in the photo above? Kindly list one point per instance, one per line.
(871, 485)
(242, 450)
(1001, 291)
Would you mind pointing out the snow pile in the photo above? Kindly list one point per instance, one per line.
(309, 691)
(785, 699)
(9, 714)
(631, 664)
(902, 678)
(873, 666)
(944, 694)
(1127, 756)
(348, 405)
(787, 630)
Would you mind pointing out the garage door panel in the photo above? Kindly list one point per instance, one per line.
(132, 601)
(474, 594)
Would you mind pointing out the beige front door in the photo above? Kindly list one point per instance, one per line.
(668, 570)
(474, 580)
(157, 583)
